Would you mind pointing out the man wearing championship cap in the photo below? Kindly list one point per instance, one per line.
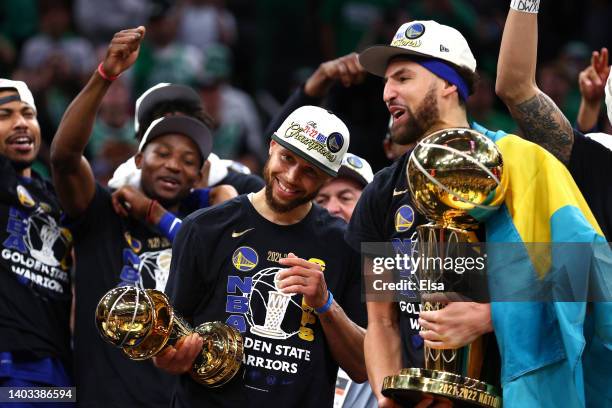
(275, 266)
(429, 71)
(113, 250)
(35, 282)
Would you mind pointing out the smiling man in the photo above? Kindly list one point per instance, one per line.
(35, 292)
(274, 265)
(112, 250)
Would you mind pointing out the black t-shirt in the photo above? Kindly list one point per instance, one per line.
(108, 251)
(35, 262)
(385, 213)
(243, 183)
(223, 269)
(591, 167)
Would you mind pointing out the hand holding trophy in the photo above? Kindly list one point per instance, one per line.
(143, 323)
(456, 180)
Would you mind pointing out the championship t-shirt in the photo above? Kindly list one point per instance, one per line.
(35, 262)
(385, 213)
(224, 267)
(113, 251)
(591, 166)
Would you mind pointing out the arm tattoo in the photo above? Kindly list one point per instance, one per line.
(543, 123)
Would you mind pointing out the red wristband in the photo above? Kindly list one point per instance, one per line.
(148, 218)
(104, 74)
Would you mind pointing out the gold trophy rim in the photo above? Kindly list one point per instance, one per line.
(451, 386)
(143, 351)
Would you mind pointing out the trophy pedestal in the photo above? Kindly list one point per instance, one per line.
(412, 384)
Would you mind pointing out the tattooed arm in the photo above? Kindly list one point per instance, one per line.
(539, 118)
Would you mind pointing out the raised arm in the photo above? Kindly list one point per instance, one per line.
(539, 118)
(72, 175)
(592, 83)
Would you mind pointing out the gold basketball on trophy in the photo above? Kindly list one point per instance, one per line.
(142, 323)
(456, 177)
(456, 180)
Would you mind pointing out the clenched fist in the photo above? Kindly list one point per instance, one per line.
(123, 51)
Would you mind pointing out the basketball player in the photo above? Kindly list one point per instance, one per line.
(35, 283)
(274, 266)
(542, 122)
(114, 251)
(429, 71)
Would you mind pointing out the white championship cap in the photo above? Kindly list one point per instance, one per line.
(22, 89)
(609, 96)
(422, 39)
(356, 168)
(316, 135)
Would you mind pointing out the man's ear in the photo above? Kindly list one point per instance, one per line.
(448, 89)
(272, 143)
(138, 160)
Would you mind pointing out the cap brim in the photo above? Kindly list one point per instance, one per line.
(172, 92)
(304, 156)
(375, 59)
(352, 174)
(184, 125)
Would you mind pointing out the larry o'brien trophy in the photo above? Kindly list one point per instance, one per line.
(456, 180)
(142, 323)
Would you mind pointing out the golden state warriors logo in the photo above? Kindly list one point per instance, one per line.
(355, 162)
(414, 31)
(24, 197)
(335, 141)
(404, 218)
(245, 258)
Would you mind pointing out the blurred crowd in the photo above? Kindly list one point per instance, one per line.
(246, 57)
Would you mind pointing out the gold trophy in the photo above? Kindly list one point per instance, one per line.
(456, 180)
(142, 323)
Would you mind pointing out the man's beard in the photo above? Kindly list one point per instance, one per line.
(419, 122)
(278, 206)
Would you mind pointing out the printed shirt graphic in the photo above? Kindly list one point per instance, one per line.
(225, 267)
(35, 262)
(112, 251)
(385, 213)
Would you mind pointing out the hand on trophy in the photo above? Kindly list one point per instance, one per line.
(305, 278)
(455, 325)
(122, 51)
(179, 360)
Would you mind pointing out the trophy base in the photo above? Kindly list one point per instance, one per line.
(411, 385)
